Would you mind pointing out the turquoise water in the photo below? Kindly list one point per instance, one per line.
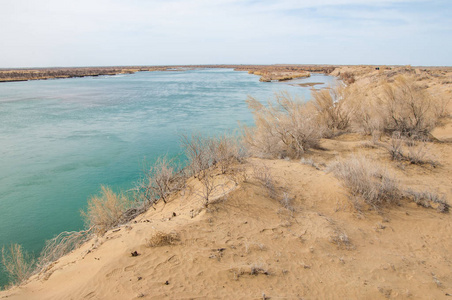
(61, 139)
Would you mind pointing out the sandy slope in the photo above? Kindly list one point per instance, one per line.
(246, 245)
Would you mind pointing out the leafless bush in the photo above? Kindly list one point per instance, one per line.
(162, 239)
(17, 263)
(398, 104)
(409, 108)
(263, 175)
(285, 129)
(441, 109)
(105, 211)
(197, 151)
(61, 245)
(421, 154)
(414, 152)
(226, 150)
(368, 117)
(334, 108)
(395, 149)
(205, 152)
(161, 181)
(286, 202)
(209, 187)
(427, 198)
(237, 175)
(132, 212)
(368, 181)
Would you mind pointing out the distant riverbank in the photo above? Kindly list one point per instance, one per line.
(267, 72)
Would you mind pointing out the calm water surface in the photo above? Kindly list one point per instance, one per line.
(61, 139)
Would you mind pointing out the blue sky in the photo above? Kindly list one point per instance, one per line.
(38, 33)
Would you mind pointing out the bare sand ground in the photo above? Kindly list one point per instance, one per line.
(247, 245)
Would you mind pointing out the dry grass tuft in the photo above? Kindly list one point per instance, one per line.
(341, 239)
(367, 181)
(105, 210)
(309, 162)
(162, 239)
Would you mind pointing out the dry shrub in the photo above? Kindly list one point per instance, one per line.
(259, 268)
(397, 104)
(441, 107)
(341, 239)
(263, 175)
(17, 263)
(162, 239)
(205, 152)
(198, 153)
(420, 154)
(347, 77)
(395, 148)
(285, 129)
(367, 181)
(408, 108)
(414, 152)
(237, 175)
(429, 199)
(287, 202)
(209, 186)
(61, 245)
(225, 151)
(309, 162)
(368, 116)
(334, 108)
(160, 181)
(105, 211)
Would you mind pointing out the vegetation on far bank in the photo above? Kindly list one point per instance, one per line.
(268, 72)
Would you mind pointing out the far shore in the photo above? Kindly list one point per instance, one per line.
(268, 73)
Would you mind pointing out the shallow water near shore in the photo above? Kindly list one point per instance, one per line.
(61, 139)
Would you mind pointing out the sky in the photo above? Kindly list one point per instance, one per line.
(50, 33)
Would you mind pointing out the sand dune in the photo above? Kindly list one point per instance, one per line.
(249, 244)
(246, 245)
